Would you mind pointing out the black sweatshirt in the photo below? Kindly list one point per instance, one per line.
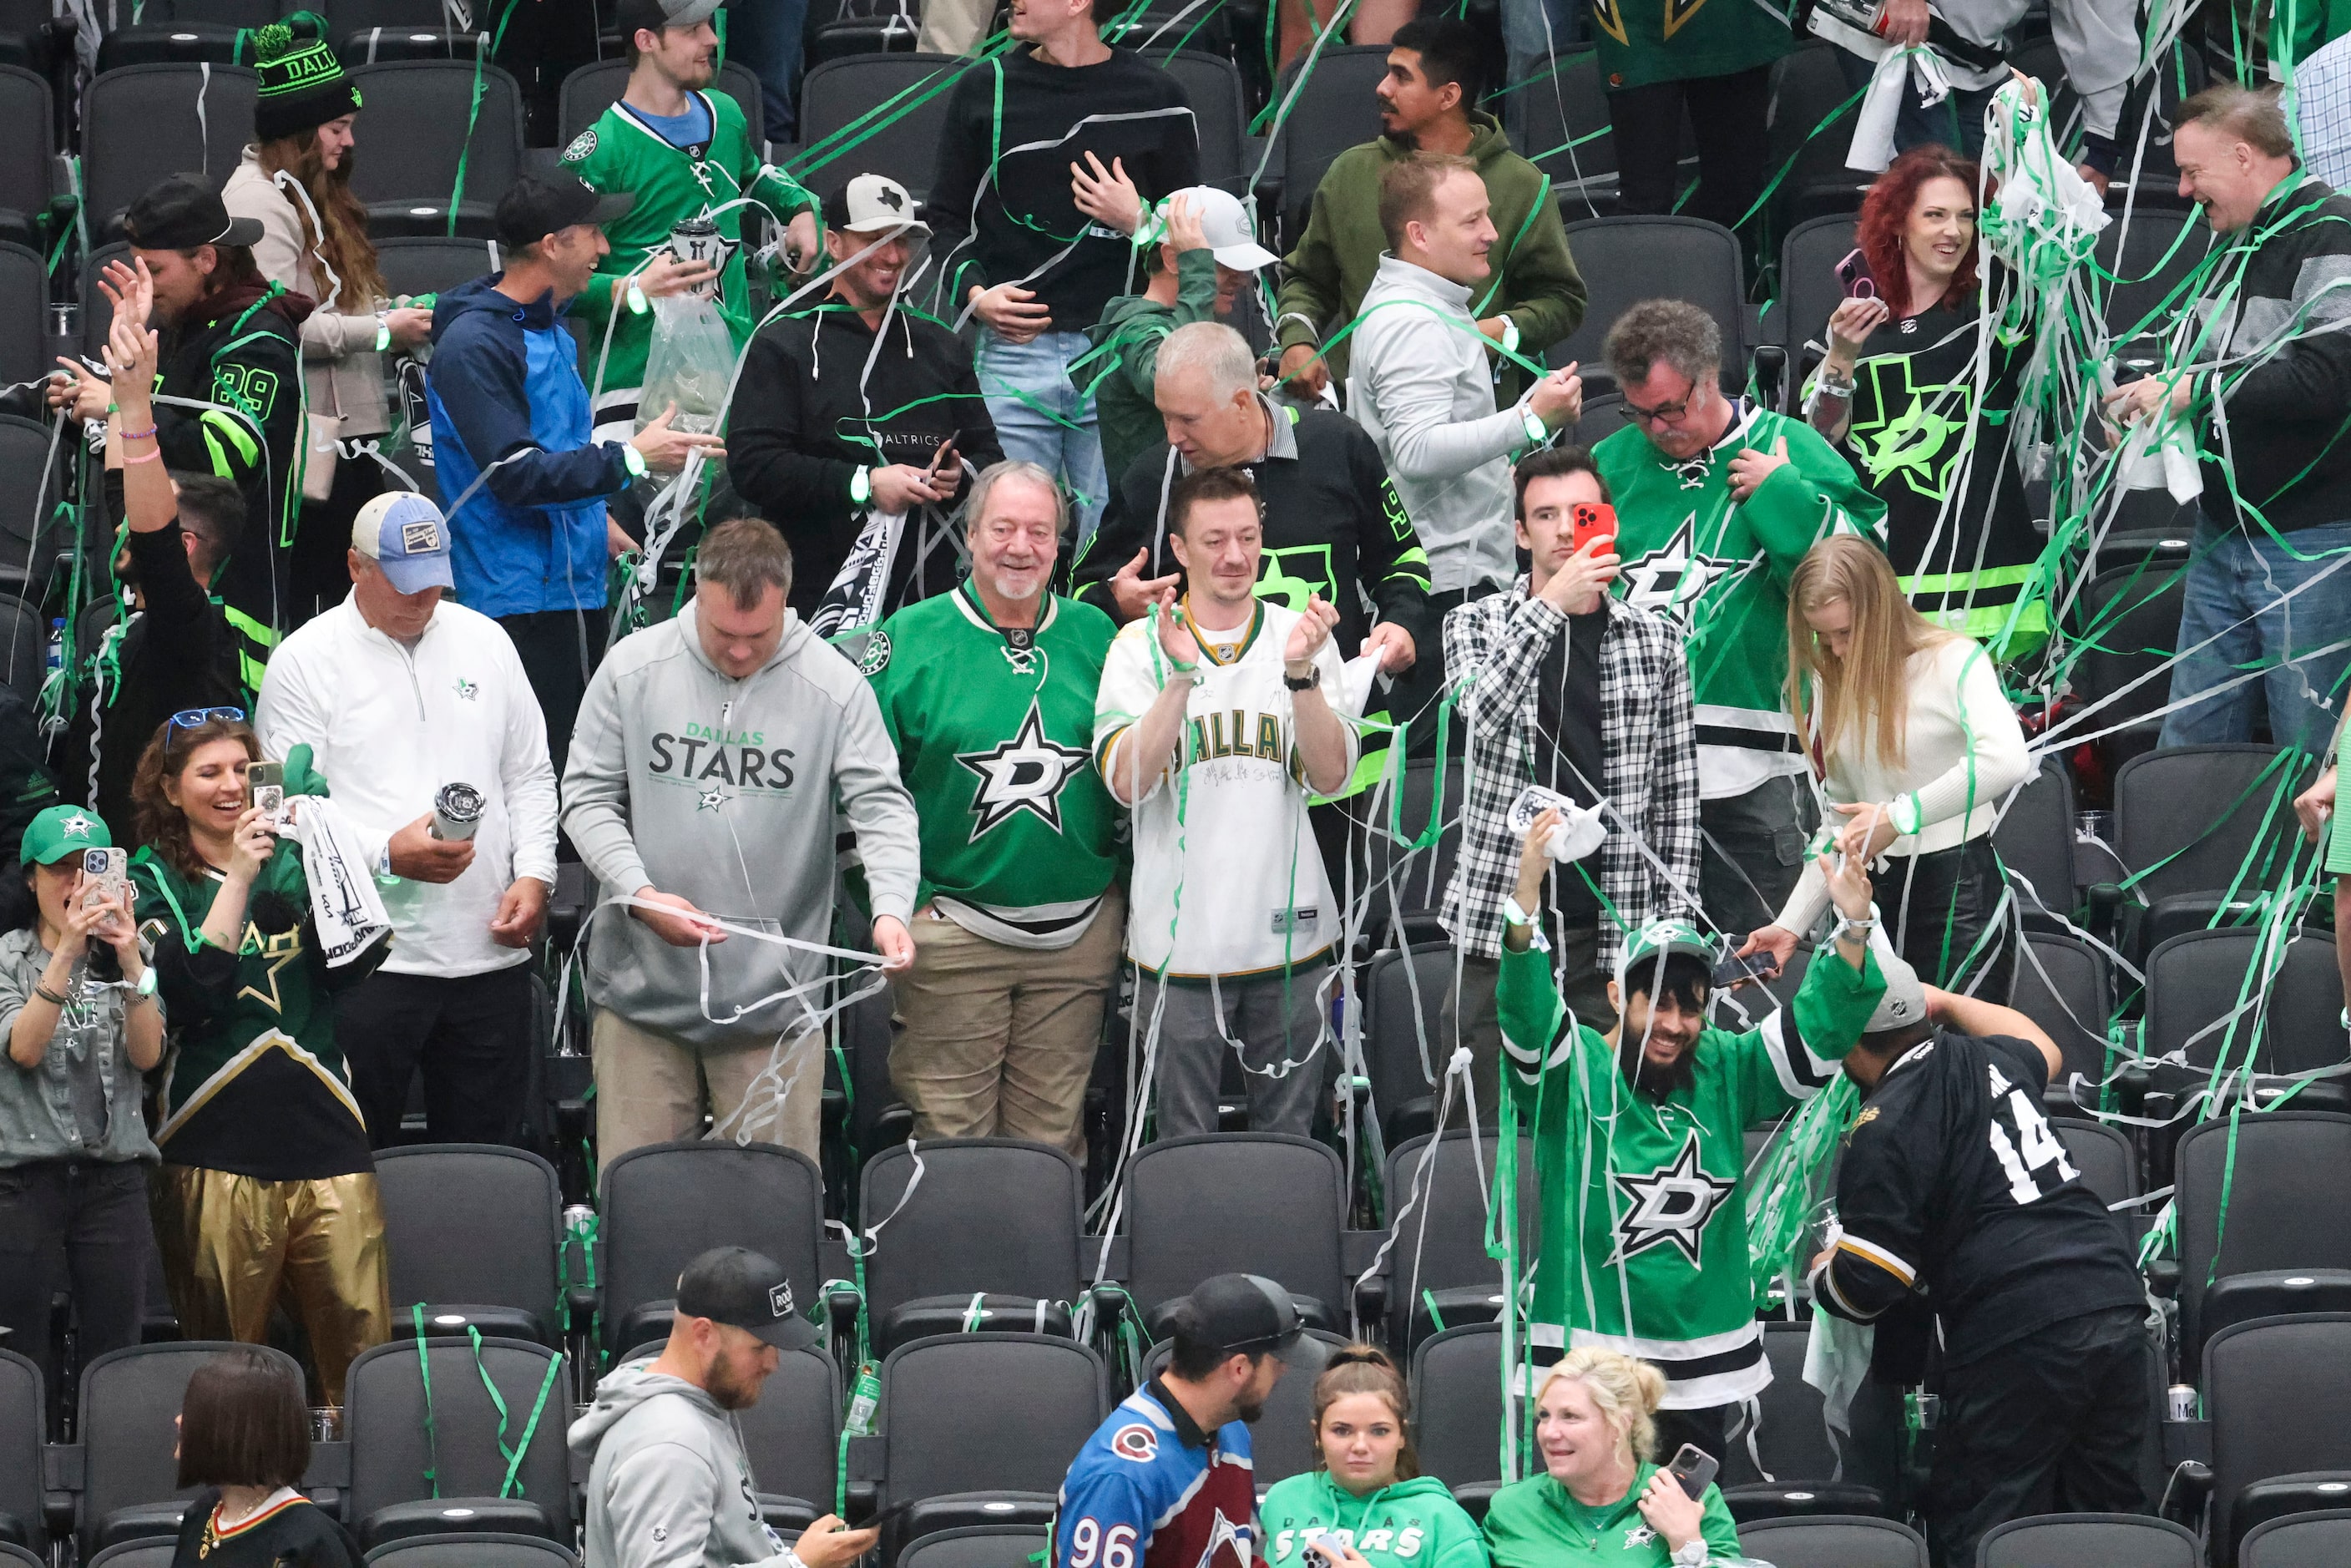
(808, 415)
(1026, 214)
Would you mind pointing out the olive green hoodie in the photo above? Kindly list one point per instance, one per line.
(1533, 281)
(1124, 361)
(1411, 1524)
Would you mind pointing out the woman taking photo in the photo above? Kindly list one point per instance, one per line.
(74, 1149)
(1899, 388)
(266, 1185)
(1602, 1496)
(245, 1439)
(1368, 1506)
(296, 182)
(1916, 746)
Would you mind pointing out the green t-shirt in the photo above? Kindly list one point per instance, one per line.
(1535, 1524)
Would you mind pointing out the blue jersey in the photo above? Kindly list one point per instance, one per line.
(1150, 1490)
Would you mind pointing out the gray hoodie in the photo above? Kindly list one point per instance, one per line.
(667, 1484)
(1420, 383)
(730, 793)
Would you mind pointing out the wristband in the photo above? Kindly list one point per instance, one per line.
(633, 460)
(1513, 912)
(146, 435)
(48, 996)
(382, 334)
(147, 981)
(1691, 1555)
(1537, 431)
(1305, 683)
(1509, 335)
(1860, 928)
(861, 488)
(151, 457)
(637, 306)
(1836, 386)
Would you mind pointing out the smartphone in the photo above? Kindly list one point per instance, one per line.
(1733, 970)
(1852, 277)
(1317, 1552)
(1591, 520)
(265, 790)
(105, 877)
(1694, 1468)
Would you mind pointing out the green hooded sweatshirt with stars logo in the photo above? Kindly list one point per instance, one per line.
(1718, 569)
(1408, 1524)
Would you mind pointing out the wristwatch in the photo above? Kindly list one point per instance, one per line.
(1305, 683)
(1691, 1555)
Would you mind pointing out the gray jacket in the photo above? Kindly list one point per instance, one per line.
(87, 1065)
(668, 1486)
(730, 793)
(1420, 383)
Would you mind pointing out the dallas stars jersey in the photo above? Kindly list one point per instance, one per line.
(672, 183)
(994, 734)
(1644, 41)
(1720, 571)
(1225, 830)
(1652, 1213)
(1150, 1490)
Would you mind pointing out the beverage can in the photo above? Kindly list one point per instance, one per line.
(2182, 1403)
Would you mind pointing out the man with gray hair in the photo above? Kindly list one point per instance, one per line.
(716, 754)
(1717, 500)
(987, 692)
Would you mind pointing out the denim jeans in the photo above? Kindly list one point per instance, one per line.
(2232, 623)
(765, 34)
(1040, 417)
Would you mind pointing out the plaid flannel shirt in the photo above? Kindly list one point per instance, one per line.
(1494, 647)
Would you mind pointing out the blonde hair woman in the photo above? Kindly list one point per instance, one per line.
(1601, 1491)
(1916, 746)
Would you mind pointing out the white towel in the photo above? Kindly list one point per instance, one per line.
(349, 912)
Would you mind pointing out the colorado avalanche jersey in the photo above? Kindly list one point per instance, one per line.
(1150, 1490)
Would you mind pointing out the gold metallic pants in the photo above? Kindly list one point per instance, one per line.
(233, 1243)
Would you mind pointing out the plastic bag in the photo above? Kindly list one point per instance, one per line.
(690, 361)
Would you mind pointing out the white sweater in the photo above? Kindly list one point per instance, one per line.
(389, 726)
(1963, 750)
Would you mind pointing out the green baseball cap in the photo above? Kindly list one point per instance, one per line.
(63, 831)
(1666, 938)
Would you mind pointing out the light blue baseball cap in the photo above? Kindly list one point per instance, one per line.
(407, 536)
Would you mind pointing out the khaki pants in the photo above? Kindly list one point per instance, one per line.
(232, 1244)
(996, 1041)
(953, 26)
(1469, 1015)
(652, 1088)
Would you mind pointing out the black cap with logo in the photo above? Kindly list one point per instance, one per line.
(744, 1289)
(534, 208)
(182, 213)
(1241, 1314)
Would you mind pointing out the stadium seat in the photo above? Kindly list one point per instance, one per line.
(142, 124)
(24, 1417)
(956, 1217)
(947, 1407)
(2200, 826)
(2062, 984)
(1436, 1275)
(426, 110)
(2285, 1244)
(488, 1550)
(1406, 883)
(1602, 416)
(2103, 1156)
(425, 265)
(2158, 250)
(1457, 1406)
(666, 1204)
(471, 1231)
(2291, 1024)
(1404, 996)
(1212, 86)
(1257, 1203)
(2089, 1541)
(2034, 837)
(1625, 260)
(1808, 292)
(1281, 1443)
(976, 1546)
(28, 175)
(496, 1465)
(2277, 1393)
(865, 1117)
(174, 42)
(2127, 624)
(1832, 1541)
(1334, 110)
(2317, 1540)
(1812, 124)
(1808, 1475)
(23, 315)
(791, 1438)
(344, 16)
(837, 29)
(33, 534)
(158, 1552)
(592, 89)
(875, 114)
(217, 13)
(1562, 127)
(128, 1414)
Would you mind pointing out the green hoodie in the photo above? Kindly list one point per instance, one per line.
(1411, 1524)
(1533, 281)
(1534, 1523)
(1120, 368)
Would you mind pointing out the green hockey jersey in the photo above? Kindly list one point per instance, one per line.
(1645, 1232)
(1646, 41)
(621, 151)
(995, 732)
(1719, 570)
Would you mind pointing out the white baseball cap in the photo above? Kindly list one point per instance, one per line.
(871, 203)
(407, 536)
(1225, 224)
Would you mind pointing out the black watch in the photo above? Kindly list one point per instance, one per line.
(1306, 682)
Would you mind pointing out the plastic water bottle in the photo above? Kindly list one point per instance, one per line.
(57, 644)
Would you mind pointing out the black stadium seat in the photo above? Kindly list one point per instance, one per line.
(2320, 1539)
(2289, 1024)
(488, 1550)
(28, 175)
(2200, 824)
(398, 1430)
(1561, 125)
(2090, 1541)
(1808, 291)
(426, 110)
(976, 1546)
(1625, 260)
(2034, 837)
(471, 1230)
(666, 1204)
(1831, 1540)
(32, 533)
(993, 1217)
(1808, 1477)
(159, 1552)
(1334, 110)
(1456, 1408)
(418, 265)
(1212, 86)
(2277, 1392)
(2062, 985)
(875, 114)
(129, 1409)
(2285, 1245)
(24, 1417)
(1256, 1203)
(1437, 1275)
(142, 124)
(1404, 995)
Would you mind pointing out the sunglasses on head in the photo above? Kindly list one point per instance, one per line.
(196, 719)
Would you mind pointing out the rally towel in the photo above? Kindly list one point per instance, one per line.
(343, 900)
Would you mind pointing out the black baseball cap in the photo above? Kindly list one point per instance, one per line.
(182, 213)
(1241, 1314)
(534, 208)
(744, 1289)
(655, 14)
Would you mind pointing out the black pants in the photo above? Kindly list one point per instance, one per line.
(1414, 694)
(1940, 907)
(1754, 852)
(2053, 1423)
(318, 566)
(90, 1217)
(470, 1036)
(1728, 112)
(559, 650)
(1708, 1429)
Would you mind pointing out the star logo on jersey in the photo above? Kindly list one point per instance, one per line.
(1677, 14)
(1670, 1205)
(1919, 440)
(1671, 580)
(711, 799)
(1223, 1533)
(1024, 774)
(1639, 1535)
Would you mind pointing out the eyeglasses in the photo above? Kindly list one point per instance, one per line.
(196, 719)
(1663, 413)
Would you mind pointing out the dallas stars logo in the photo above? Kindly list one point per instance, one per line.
(1919, 442)
(1025, 773)
(710, 801)
(1639, 1535)
(1670, 1205)
(1671, 580)
(75, 827)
